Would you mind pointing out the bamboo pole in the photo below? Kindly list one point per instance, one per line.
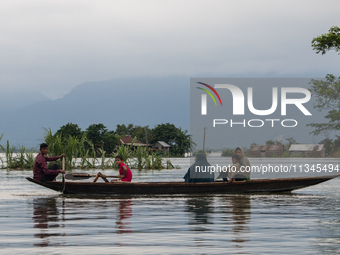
(63, 175)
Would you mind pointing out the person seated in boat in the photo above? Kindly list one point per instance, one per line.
(199, 171)
(40, 170)
(232, 170)
(125, 174)
(244, 162)
(235, 173)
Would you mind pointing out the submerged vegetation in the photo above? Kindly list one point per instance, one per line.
(81, 153)
(97, 147)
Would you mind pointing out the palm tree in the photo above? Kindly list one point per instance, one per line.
(183, 142)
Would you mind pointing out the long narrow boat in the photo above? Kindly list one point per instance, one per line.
(253, 186)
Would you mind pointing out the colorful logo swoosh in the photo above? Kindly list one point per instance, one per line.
(208, 92)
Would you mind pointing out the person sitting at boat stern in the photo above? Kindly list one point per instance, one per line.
(125, 174)
(199, 171)
(235, 173)
(40, 170)
(233, 170)
(244, 162)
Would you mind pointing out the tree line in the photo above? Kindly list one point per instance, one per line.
(101, 137)
(96, 147)
(331, 146)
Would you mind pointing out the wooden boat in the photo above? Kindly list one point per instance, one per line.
(219, 187)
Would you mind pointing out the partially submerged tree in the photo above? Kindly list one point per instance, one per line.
(141, 133)
(99, 135)
(69, 129)
(183, 142)
(164, 132)
(327, 92)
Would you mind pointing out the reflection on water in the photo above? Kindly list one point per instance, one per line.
(45, 218)
(231, 223)
(241, 217)
(124, 214)
(235, 212)
(201, 208)
(51, 215)
(75, 219)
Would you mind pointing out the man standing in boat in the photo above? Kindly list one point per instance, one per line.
(40, 170)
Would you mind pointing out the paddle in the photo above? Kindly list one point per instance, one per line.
(63, 175)
(84, 176)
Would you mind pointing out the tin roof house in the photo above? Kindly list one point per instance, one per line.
(127, 140)
(308, 150)
(161, 146)
(275, 150)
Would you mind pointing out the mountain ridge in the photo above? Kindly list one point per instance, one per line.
(140, 101)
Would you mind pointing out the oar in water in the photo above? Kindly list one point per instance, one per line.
(63, 175)
(84, 176)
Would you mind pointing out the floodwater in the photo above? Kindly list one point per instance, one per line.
(36, 220)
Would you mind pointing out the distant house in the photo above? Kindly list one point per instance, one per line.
(161, 146)
(127, 140)
(275, 150)
(308, 150)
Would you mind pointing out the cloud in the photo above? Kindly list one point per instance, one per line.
(53, 46)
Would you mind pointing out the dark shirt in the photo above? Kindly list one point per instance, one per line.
(187, 178)
(201, 174)
(40, 166)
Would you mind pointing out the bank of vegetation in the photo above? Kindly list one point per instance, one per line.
(97, 147)
(331, 147)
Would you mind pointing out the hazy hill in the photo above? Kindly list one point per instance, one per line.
(11, 100)
(141, 101)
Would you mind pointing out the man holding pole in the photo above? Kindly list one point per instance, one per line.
(40, 170)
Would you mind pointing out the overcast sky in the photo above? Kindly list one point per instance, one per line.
(52, 46)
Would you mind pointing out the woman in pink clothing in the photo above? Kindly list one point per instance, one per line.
(125, 174)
